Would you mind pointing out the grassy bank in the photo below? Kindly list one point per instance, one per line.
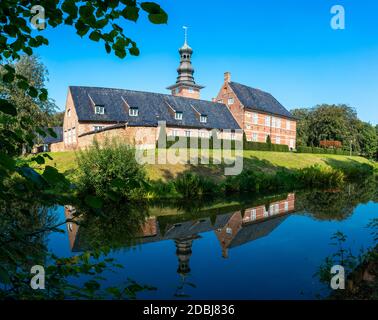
(263, 161)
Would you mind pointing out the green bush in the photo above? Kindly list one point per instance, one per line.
(317, 150)
(320, 176)
(191, 186)
(263, 146)
(111, 172)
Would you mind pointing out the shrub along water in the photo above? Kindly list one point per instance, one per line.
(110, 172)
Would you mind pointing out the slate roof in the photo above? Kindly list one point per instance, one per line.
(49, 139)
(254, 231)
(152, 107)
(259, 100)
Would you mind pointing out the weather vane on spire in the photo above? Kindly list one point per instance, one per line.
(186, 33)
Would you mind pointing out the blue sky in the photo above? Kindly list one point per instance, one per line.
(285, 47)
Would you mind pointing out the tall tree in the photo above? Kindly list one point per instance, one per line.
(31, 111)
(303, 120)
(367, 139)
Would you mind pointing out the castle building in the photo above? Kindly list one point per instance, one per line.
(258, 113)
(133, 116)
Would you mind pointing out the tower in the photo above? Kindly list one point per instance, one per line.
(185, 85)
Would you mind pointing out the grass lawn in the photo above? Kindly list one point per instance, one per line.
(266, 161)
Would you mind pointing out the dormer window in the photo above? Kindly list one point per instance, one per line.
(178, 115)
(99, 109)
(133, 112)
(203, 118)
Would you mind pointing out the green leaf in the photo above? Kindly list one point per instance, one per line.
(81, 28)
(93, 201)
(150, 7)
(28, 51)
(7, 162)
(33, 92)
(39, 159)
(53, 176)
(8, 77)
(131, 13)
(23, 85)
(52, 133)
(159, 18)
(43, 95)
(121, 53)
(41, 132)
(95, 35)
(134, 51)
(107, 47)
(7, 107)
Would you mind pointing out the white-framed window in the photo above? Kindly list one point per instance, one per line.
(187, 133)
(133, 112)
(278, 123)
(203, 118)
(286, 206)
(99, 110)
(97, 128)
(278, 140)
(255, 118)
(69, 113)
(175, 133)
(277, 208)
(267, 121)
(190, 90)
(273, 122)
(248, 126)
(253, 214)
(288, 125)
(228, 230)
(230, 101)
(69, 135)
(220, 101)
(178, 115)
(254, 136)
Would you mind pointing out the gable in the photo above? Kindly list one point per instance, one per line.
(256, 99)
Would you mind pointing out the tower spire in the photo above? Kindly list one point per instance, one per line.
(185, 85)
(185, 34)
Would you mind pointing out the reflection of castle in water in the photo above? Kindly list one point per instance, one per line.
(232, 229)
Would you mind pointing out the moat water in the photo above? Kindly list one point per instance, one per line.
(261, 248)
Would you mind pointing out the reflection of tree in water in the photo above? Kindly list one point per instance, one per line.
(336, 204)
(115, 226)
(24, 228)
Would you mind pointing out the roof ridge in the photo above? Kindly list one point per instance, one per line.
(244, 85)
(148, 92)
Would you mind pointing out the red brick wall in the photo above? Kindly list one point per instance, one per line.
(259, 130)
(130, 135)
(184, 92)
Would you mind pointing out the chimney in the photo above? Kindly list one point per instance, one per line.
(227, 77)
